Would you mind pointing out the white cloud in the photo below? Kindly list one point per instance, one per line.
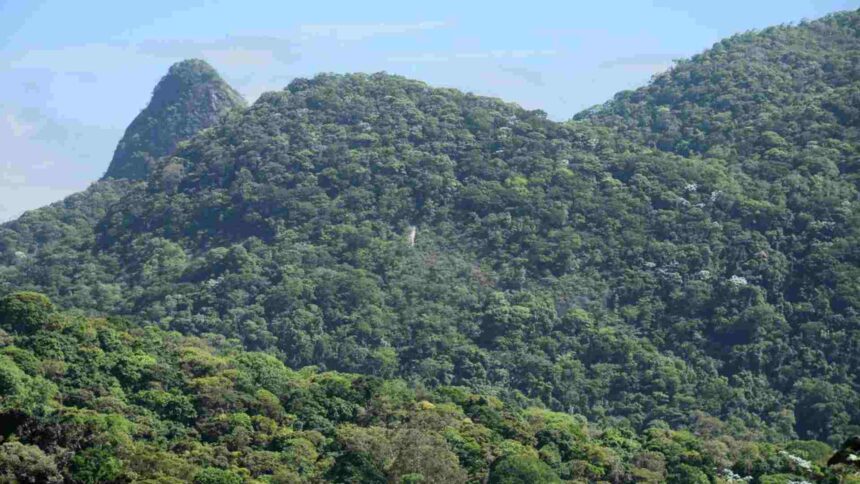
(45, 159)
(492, 54)
(239, 57)
(239, 51)
(528, 75)
(507, 54)
(11, 176)
(42, 165)
(351, 32)
(642, 63)
(73, 59)
(17, 127)
(419, 58)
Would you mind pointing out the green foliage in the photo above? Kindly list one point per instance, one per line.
(147, 405)
(690, 475)
(212, 475)
(521, 469)
(27, 463)
(780, 98)
(25, 312)
(356, 467)
(22, 392)
(95, 465)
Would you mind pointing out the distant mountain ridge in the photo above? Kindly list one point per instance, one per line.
(192, 96)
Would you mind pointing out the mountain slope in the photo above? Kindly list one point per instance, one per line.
(573, 264)
(192, 96)
(95, 400)
(60, 235)
(771, 101)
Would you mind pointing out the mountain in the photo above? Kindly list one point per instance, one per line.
(769, 101)
(685, 253)
(285, 226)
(102, 400)
(191, 97)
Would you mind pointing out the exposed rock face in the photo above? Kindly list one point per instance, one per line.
(191, 97)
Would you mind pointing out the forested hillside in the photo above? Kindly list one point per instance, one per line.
(686, 253)
(770, 101)
(104, 400)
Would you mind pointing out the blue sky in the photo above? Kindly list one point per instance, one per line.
(74, 74)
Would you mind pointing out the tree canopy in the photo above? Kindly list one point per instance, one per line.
(141, 404)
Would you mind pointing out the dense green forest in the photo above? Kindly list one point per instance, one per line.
(679, 265)
(105, 400)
